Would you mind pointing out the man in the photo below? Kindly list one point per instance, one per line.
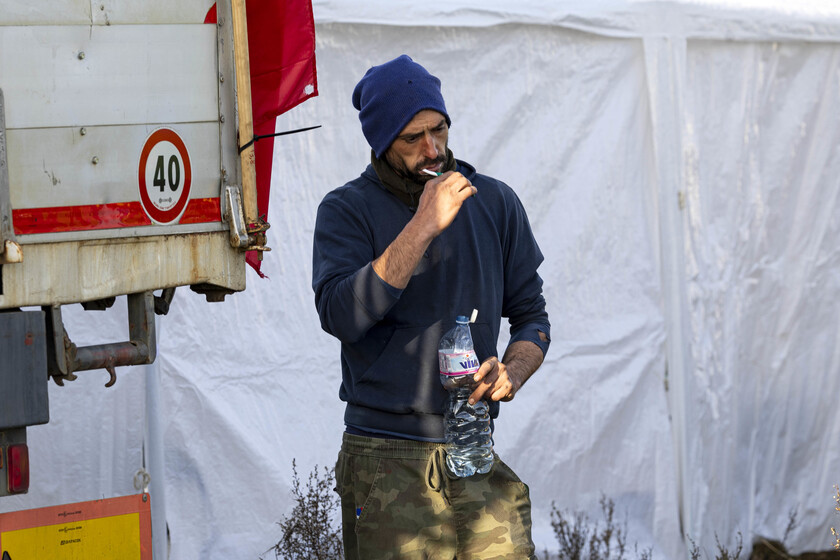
(399, 253)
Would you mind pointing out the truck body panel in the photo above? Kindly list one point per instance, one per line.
(120, 140)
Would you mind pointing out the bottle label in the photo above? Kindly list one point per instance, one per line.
(462, 363)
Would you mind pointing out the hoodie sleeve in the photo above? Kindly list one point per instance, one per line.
(524, 304)
(349, 296)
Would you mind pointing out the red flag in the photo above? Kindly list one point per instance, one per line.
(281, 42)
(281, 45)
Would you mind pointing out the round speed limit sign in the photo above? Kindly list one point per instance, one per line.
(165, 176)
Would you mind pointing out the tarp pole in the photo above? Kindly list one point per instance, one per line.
(154, 460)
(665, 67)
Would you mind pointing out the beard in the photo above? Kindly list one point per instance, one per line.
(416, 174)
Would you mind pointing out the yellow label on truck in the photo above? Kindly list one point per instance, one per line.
(113, 529)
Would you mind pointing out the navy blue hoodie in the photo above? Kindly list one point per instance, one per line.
(487, 259)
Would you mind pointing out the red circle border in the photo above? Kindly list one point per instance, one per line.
(164, 217)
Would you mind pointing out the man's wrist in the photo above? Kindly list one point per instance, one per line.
(420, 231)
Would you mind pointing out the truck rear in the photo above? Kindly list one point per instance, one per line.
(120, 174)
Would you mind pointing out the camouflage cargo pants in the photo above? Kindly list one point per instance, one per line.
(398, 502)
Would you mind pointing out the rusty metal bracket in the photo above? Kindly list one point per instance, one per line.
(99, 304)
(65, 358)
(59, 347)
(212, 292)
(245, 237)
(10, 250)
(257, 239)
(163, 301)
(235, 217)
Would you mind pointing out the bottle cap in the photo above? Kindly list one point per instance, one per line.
(462, 319)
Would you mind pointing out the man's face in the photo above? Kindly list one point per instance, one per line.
(420, 145)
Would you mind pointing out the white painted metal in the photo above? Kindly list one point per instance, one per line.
(56, 164)
(118, 12)
(6, 231)
(45, 12)
(231, 164)
(108, 75)
(119, 70)
(101, 12)
(236, 220)
(81, 271)
(121, 233)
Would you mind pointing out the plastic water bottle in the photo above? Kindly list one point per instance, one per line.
(469, 444)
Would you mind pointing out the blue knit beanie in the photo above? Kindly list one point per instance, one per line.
(388, 97)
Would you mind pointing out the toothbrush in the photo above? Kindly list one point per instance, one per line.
(436, 174)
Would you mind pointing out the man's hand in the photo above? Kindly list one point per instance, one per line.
(499, 381)
(438, 205)
(441, 200)
(494, 381)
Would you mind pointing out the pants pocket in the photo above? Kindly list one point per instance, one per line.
(402, 517)
(355, 477)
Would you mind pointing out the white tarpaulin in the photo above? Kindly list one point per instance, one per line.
(680, 164)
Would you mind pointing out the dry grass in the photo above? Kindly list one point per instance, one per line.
(310, 532)
(580, 539)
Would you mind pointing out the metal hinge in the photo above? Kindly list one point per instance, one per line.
(235, 217)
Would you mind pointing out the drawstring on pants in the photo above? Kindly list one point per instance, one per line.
(436, 478)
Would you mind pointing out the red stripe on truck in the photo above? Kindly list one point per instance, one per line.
(105, 216)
